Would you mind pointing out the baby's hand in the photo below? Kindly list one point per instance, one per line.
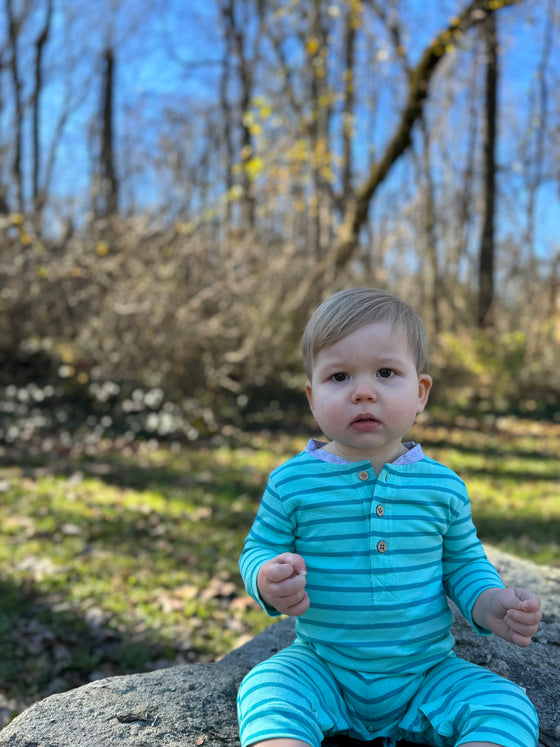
(513, 614)
(281, 583)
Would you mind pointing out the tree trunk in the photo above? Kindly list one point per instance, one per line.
(109, 187)
(17, 173)
(435, 284)
(236, 40)
(487, 244)
(38, 198)
(318, 128)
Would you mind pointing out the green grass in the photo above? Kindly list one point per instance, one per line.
(126, 559)
(511, 470)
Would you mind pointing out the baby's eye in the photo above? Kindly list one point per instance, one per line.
(385, 373)
(340, 376)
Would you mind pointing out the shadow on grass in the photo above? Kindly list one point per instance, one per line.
(127, 473)
(532, 538)
(498, 462)
(47, 647)
(128, 586)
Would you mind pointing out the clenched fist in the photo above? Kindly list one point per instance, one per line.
(281, 583)
(513, 614)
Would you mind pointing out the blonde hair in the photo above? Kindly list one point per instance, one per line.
(348, 310)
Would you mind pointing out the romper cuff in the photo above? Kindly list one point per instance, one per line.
(254, 593)
(270, 611)
(478, 629)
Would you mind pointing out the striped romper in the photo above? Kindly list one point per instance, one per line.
(373, 655)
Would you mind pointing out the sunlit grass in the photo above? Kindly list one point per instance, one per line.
(511, 471)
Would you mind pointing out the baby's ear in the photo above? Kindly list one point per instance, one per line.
(309, 394)
(424, 387)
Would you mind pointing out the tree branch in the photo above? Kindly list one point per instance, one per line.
(418, 87)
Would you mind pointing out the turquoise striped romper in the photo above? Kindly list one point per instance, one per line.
(373, 655)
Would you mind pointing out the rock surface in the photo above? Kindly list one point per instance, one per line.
(194, 705)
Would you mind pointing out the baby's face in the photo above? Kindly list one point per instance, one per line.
(365, 392)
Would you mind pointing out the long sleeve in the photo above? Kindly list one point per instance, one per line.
(272, 533)
(466, 570)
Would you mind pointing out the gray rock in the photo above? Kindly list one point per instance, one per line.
(194, 705)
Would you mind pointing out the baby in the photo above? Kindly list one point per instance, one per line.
(362, 538)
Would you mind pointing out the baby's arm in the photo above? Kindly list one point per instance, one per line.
(281, 583)
(513, 614)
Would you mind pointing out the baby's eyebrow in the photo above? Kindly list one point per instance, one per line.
(336, 364)
(390, 361)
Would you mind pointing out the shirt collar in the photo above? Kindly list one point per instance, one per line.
(314, 447)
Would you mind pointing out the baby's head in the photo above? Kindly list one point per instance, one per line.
(348, 310)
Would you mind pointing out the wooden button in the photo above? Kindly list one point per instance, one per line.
(363, 475)
(381, 546)
(379, 510)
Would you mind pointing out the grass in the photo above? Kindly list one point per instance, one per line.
(120, 559)
(511, 470)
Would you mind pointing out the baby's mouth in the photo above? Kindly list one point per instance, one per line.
(364, 422)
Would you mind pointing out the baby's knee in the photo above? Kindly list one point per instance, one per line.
(505, 716)
(281, 698)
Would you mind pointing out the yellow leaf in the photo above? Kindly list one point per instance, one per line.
(312, 45)
(254, 167)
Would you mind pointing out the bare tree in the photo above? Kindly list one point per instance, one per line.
(108, 189)
(14, 29)
(357, 205)
(487, 245)
(349, 57)
(434, 286)
(538, 128)
(37, 197)
(246, 54)
(226, 115)
(318, 128)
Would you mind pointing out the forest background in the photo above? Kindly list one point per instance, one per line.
(180, 185)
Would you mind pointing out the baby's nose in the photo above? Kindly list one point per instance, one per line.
(364, 391)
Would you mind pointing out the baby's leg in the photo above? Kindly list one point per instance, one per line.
(469, 706)
(290, 700)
